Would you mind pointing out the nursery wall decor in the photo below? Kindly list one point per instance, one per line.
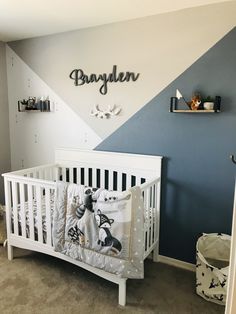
(80, 78)
(109, 112)
(198, 104)
(32, 104)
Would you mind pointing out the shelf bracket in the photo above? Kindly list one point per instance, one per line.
(232, 159)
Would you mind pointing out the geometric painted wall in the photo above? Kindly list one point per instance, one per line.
(198, 176)
(159, 47)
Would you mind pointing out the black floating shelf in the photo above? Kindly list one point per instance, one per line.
(40, 106)
(194, 111)
(174, 107)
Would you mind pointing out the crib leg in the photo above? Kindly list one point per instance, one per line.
(122, 292)
(10, 252)
(155, 253)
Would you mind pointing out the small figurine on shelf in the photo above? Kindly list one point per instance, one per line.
(31, 103)
(195, 102)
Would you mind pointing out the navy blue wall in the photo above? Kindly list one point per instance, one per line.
(198, 177)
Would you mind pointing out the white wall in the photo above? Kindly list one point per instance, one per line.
(4, 120)
(35, 135)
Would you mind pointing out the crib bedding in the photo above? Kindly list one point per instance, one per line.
(101, 228)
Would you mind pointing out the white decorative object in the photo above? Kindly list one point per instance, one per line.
(208, 105)
(110, 111)
(178, 94)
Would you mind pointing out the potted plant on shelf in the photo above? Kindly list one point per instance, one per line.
(208, 103)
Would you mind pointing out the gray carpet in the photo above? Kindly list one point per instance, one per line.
(36, 283)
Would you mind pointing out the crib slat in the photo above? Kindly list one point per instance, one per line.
(156, 212)
(44, 174)
(147, 207)
(110, 180)
(77, 175)
(157, 205)
(48, 217)
(156, 219)
(51, 173)
(41, 174)
(39, 213)
(15, 211)
(8, 205)
(94, 177)
(71, 175)
(145, 220)
(47, 173)
(138, 180)
(129, 180)
(63, 174)
(56, 175)
(86, 176)
(22, 210)
(119, 181)
(102, 178)
(31, 214)
(151, 214)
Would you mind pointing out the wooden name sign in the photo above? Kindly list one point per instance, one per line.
(80, 78)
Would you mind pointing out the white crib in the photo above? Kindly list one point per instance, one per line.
(35, 188)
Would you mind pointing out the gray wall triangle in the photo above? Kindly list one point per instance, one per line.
(198, 176)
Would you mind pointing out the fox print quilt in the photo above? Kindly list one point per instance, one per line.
(101, 228)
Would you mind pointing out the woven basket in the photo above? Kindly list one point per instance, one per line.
(213, 252)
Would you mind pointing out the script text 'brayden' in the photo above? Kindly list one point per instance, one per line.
(80, 78)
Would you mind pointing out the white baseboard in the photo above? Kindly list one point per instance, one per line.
(176, 263)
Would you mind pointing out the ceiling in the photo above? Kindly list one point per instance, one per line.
(31, 18)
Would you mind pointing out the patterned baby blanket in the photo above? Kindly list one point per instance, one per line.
(101, 228)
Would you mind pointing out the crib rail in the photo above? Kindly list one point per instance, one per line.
(45, 172)
(117, 179)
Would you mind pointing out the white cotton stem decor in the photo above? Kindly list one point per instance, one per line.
(109, 112)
